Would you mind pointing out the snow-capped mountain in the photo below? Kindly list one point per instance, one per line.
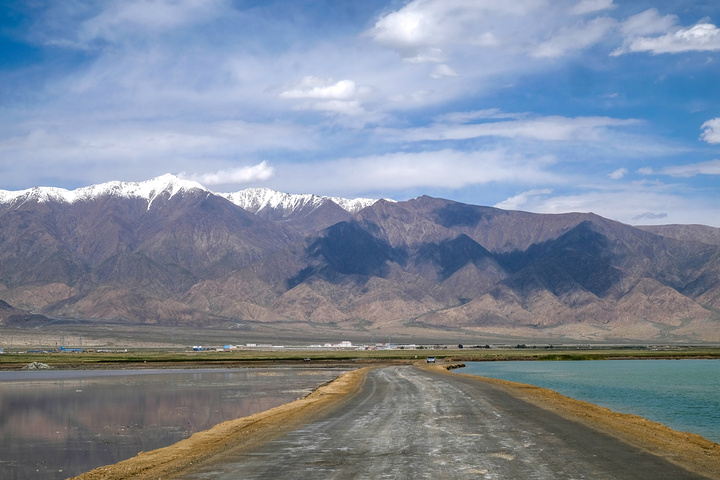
(257, 199)
(148, 190)
(253, 200)
(168, 251)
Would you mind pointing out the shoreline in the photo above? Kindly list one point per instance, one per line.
(690, 451)
(244, 432)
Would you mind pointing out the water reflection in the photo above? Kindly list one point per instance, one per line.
(54, 425)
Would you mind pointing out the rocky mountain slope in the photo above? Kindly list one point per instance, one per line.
(170, 252)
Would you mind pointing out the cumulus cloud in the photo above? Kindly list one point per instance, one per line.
(711, 131)
(516, 202)
(711, 167)
(698, 38)
(326, 94)
(324, 89)
(412, 31)
(618, 174)
(443, 31)
(421, 29)
(254, 173)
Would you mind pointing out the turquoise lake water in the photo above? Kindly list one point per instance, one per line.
(682, 394)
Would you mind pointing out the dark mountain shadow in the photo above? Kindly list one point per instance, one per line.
(347, 249)
(579, 258)
(459, 215)
(449, 256)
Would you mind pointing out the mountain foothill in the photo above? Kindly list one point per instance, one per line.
(169, 252)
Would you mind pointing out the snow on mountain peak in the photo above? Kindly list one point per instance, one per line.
(251, 199)
(353, 205)
(257, 199)
(148, 190)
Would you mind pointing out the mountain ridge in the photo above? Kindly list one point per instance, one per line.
(170, 252)
(251, 199)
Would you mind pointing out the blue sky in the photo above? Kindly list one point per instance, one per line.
(548, 106)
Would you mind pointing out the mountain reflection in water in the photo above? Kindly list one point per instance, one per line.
(57, 424)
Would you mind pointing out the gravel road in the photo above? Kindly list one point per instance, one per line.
(410, 423)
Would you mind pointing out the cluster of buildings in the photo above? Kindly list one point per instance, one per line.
(343, 345)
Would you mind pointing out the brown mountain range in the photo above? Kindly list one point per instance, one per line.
(422, 267)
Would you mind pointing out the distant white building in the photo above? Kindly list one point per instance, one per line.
(343, 344)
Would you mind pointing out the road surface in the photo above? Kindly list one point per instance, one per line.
(411, 423)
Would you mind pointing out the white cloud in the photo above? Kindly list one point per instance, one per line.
(634, 203)
(421, 29)
(488, 113)
(442, 71)
(645, 171)
(122, 21)
(323, 89)
(447, 169)
(711, 167)
(516, 202)
(551, 128)
(327, 95)
(108, 149)
(700, 37)
(650, 216)
(254, 173)
(113, 139)
(410, 30)
(576, 37)
(591, 6)
(647, 23)
(711, 131)
(427, 55)
(440, 31)
(352, 108)
(618, 174)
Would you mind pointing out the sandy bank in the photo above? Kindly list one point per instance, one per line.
(239, 433)
(688, 450)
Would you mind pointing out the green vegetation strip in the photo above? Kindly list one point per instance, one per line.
(184, 359)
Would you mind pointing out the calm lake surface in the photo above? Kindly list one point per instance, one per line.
(682, 394)
(57, 424)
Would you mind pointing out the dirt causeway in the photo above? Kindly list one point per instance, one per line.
(688, 451)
